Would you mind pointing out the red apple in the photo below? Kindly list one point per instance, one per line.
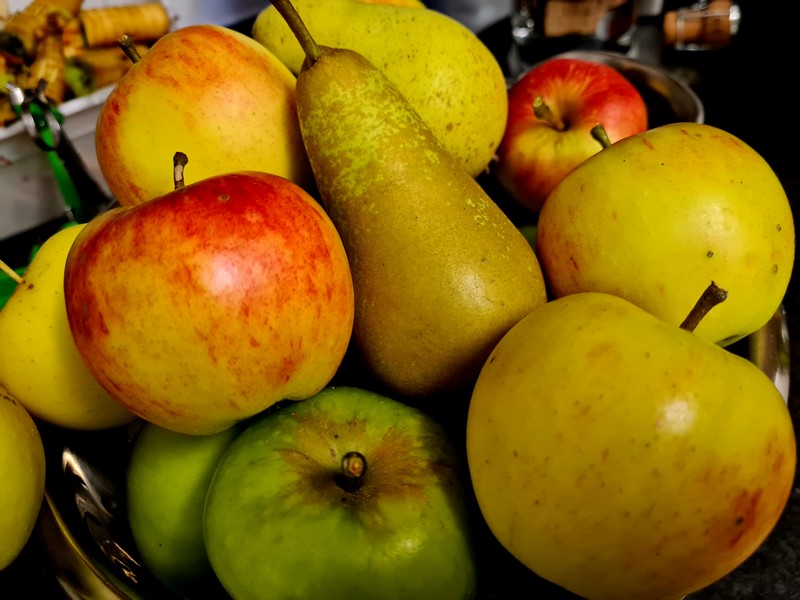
(205, 306)
(551, 112)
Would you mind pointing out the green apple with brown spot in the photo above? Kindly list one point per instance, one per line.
(348, 494)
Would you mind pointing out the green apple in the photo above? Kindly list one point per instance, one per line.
(167, 480)
(22, 471)
(348, 494)
(622, 457)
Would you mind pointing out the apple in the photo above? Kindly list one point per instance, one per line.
(620, 456)
(22, 471)
(348, 494)
(167, 480)
(552, 109)
(206, 305)
(205, 90)
(654, 217)
(39, 363)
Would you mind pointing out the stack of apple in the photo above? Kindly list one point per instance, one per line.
(347, 361)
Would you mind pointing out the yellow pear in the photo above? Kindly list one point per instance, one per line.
(39, 362)
(442, 68)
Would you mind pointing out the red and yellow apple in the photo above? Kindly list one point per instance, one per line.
(205, 90)
(205, 306)
(552, 109)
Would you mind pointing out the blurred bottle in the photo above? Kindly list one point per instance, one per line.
(705, 25)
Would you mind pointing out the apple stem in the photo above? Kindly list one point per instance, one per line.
(299, 29)
(353, 470)
(543, 113)
(712, 296)
(128, 47)
(599, 133)
(179, 161)
(11, 273)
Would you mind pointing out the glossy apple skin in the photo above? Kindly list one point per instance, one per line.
(277, 524)
(209, 304)
(655, 217)
(533, 156)
(210, 92)
(622, 457)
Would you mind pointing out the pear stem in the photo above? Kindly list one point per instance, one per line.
(11, 273)
(299, 29)
(542, 112)
(179, 161)
(599, 133)
(712, 296)
(128, 47)
(353, 469)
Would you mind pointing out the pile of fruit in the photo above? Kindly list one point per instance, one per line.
(349, 365)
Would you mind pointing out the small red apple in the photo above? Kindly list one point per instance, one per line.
(551, 112)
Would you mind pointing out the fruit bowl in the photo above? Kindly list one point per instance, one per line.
(82, 536)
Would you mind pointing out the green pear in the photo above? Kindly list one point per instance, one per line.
(621, 456)
(654, 217)
(439, 271)
(444, 70)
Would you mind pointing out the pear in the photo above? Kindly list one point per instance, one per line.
(655, 216)
(442, 68)
(620, 456)
(39, 362)
(439, 271)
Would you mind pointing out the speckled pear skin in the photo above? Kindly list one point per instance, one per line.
(439, 271)
(444, 70)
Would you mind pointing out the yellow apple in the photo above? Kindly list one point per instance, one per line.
(209, 92)
(22, 471)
